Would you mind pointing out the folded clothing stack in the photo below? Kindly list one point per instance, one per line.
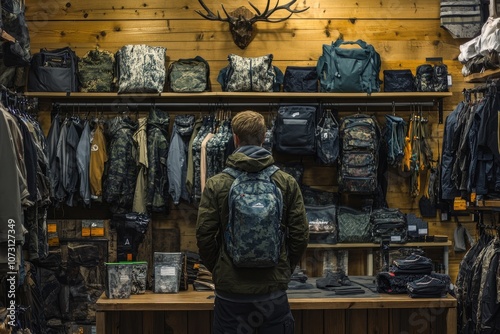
(435, 286)
(403, 273)
(203, 281)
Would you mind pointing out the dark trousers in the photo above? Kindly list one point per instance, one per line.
(262, 317)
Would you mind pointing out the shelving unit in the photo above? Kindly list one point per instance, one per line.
(371, 246)
(482, 77)
(194, 102)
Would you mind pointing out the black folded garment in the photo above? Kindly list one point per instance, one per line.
(333, 279)
(295, 285)
(388, 282)
(428, 287)
(413, 264)
(346, 290)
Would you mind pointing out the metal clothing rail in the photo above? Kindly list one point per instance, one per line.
(199, 106)
(240, 104)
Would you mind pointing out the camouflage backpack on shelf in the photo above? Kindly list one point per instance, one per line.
(244, 74)
(431, 78)
(141, 69)
(189, 75)
(96, 71)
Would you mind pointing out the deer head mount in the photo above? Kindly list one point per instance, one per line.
(242, 19)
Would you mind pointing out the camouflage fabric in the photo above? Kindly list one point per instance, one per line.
(14, 23)
(295, 169)
(389, 223)
(250, 74)
(359, 157)
(314, 196)
(216, 149)
(205, 129)
(253, 234)
(158, 144)
(12, 20)
(96, 71)
(118, 280)
(139, 277)
(141, 69)
(424, 78)
(354, 225)
(189, 75)
(119, 185)
(440, 78)
(171, 263)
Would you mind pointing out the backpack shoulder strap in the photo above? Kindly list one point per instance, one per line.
(269, 171)
(232, 171)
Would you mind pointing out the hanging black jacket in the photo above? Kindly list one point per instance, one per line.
(448, 189)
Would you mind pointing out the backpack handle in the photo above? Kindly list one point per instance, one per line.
(359, 42)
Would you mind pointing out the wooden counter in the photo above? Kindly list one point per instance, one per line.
(191, 312)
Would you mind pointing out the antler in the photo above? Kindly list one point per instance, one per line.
(211, 16)
(265, 15)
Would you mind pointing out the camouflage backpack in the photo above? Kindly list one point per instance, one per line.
(360, 137)
(189, 75)
(430, 78)
(253, 236)
(96, 71)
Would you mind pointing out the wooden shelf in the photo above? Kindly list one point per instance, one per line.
(242, 95)
(374, 245)
(482, 77)
(371, 246)
(487, 204)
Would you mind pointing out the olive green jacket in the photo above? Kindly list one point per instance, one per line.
(213, 215)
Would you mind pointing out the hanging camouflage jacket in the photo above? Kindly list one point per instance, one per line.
(119, 185)
(158, 143)
(13, 21)
(95, 71)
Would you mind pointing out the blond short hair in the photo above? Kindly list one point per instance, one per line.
(250, 127)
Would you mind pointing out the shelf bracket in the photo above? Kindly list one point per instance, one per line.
(440, 111)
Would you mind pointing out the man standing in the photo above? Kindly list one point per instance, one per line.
(250, 300)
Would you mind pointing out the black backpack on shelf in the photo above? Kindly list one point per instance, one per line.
(54, 71)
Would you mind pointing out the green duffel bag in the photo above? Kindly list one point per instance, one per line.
(191, 75)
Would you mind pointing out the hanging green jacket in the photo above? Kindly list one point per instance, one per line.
(213, 214)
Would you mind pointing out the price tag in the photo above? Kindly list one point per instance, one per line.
(167, 271)
(53, 240)
(412, 228)
(52, 228)
(395, 238)
(422, 231)
(459, 204)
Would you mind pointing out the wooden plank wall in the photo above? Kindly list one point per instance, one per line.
(403, 32)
